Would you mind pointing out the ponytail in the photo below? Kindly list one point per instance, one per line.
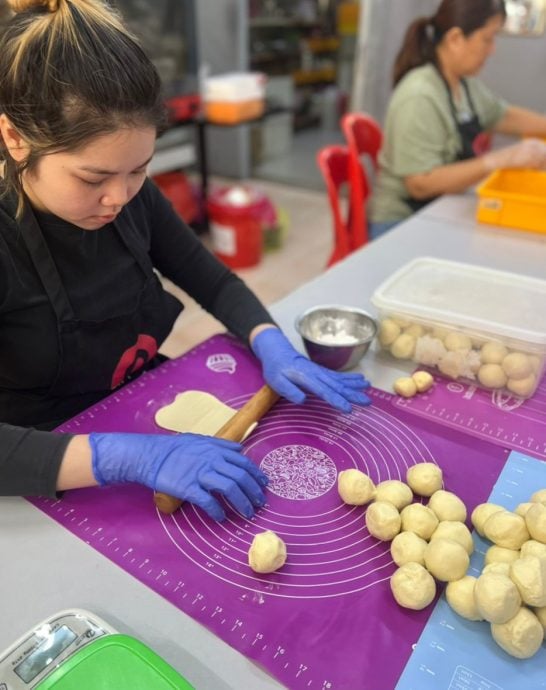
(418, 48)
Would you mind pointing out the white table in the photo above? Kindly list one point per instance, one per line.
(46, 569)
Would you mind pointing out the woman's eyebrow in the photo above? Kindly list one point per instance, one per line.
(100, 171)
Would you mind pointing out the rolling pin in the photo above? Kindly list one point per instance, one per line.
(233, 430)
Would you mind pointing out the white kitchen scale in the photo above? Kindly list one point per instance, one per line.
(77, 649)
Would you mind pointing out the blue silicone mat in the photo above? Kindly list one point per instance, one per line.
(456, 654)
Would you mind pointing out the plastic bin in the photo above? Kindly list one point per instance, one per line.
(235, 97)
(514, 198)
(467, 322)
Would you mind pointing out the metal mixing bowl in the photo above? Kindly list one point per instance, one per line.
(336, 336)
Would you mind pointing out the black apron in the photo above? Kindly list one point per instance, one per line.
(98, 356)
(474, 139)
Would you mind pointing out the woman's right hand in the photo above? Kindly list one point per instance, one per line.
(188, 466)
(528, 153)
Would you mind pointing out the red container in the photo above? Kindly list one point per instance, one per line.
(177, 188)
(236, 216)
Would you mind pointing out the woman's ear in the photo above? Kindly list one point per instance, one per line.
(454, 37)
(13, 141)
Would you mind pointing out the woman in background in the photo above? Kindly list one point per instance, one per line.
(440, 116)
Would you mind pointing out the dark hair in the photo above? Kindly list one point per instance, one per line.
(424, 34)
(70, 72)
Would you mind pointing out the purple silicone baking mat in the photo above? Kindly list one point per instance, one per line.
(327, 620)
(498, 416)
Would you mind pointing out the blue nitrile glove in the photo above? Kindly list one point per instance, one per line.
(290, 373)
(188, 466)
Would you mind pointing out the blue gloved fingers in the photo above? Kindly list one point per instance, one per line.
(212, 481)
(354, 395)
(283, 386)
(220, 442)
(246, 481)
(203, 499)
(353, 381)
(248, 465)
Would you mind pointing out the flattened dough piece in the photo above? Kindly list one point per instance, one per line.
(196, 412)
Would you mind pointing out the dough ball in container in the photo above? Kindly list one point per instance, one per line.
(389, 330)
(533, 548)
(539, 496)
(522, 387)
(453, 364)
(423, 380)
(405, 386)
(407, 547)
(499, 567)
(457, 341)
(403, 347)
(499, 554)
(355, 487)
(429, 351)
(419, 519)
(447, 506)
(492, 376)
(416, 330)
(425, 478)
(516, 365)
(456, 531)
(480, 514)
(460, 596)
(497, 597)
(529, 576)
(522, 508)
(383, 520)
(394, 491)
(446, 560)
(267, 552)
(506, 529)
(413, 586)
(493, 353)
(535, 519)
(521, 636)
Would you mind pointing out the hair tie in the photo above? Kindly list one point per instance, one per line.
(430, 32)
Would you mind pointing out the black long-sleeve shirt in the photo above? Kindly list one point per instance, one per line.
(93, 266)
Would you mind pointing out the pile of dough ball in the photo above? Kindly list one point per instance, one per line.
(418, 382)
(458, 355)
(510, 593)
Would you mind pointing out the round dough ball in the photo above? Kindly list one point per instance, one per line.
(533, 548)
(355, 487)
(493, 353)
(389, 330)
(447, 506)
(267, 552)
(440, 332)
(521, 636)
(415, 330)
(536, 363)
(454, 364)
(413, 587)
(529, 576)
(497, 597)
(498, 567)
(535, 519)
(456, 531)
(446, 559)
(541, 615)
(419, 519)
(522, 508)
(403, 347)
(460, 596)
(480, 514)
(424, 478)
(499, 554)
(506, 529)
(539, 496)
(383, 520)
(457, 341)
(405, 386)
(407, 547)
(423, 380)
(516, 365)
(492, 376)
(395, 492)
(523, 387)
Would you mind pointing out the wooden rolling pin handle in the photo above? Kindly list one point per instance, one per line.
(233, 430)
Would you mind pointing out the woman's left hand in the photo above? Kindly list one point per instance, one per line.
(292, 374)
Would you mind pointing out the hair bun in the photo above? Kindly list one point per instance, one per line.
(24, 5)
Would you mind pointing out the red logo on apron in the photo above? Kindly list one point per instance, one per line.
(134, 358)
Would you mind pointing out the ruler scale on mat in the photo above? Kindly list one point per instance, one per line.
(327, 619)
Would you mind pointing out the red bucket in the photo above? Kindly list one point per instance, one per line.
(236, 216)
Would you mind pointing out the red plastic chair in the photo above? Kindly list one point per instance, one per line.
(333, 162)
(364, 137)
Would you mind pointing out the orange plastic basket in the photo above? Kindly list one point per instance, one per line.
(515, 199)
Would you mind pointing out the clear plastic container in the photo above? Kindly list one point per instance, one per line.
(467, 322)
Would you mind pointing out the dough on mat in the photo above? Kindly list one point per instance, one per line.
(446, 559)
(424, 478)
(506, 529)
(407, 547)
(405, 386)
(535, 519)
(497, 597)
(419, 519)
(413, 586)
(456, 531)
(500, 554)
(196, 412)
(267, 552)
(423, 380)
(480, 514)
(383, 520)
(355, 487)
(460, 596)
(529, 576)
(394, 491)
(447, 506)
(521, 636)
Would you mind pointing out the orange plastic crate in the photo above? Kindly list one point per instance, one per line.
(515, 199)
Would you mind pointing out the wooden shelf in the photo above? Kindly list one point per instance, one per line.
(317, 76)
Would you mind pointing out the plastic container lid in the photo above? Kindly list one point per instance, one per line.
(481, 299)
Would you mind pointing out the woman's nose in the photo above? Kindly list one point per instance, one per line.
(116, 195)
